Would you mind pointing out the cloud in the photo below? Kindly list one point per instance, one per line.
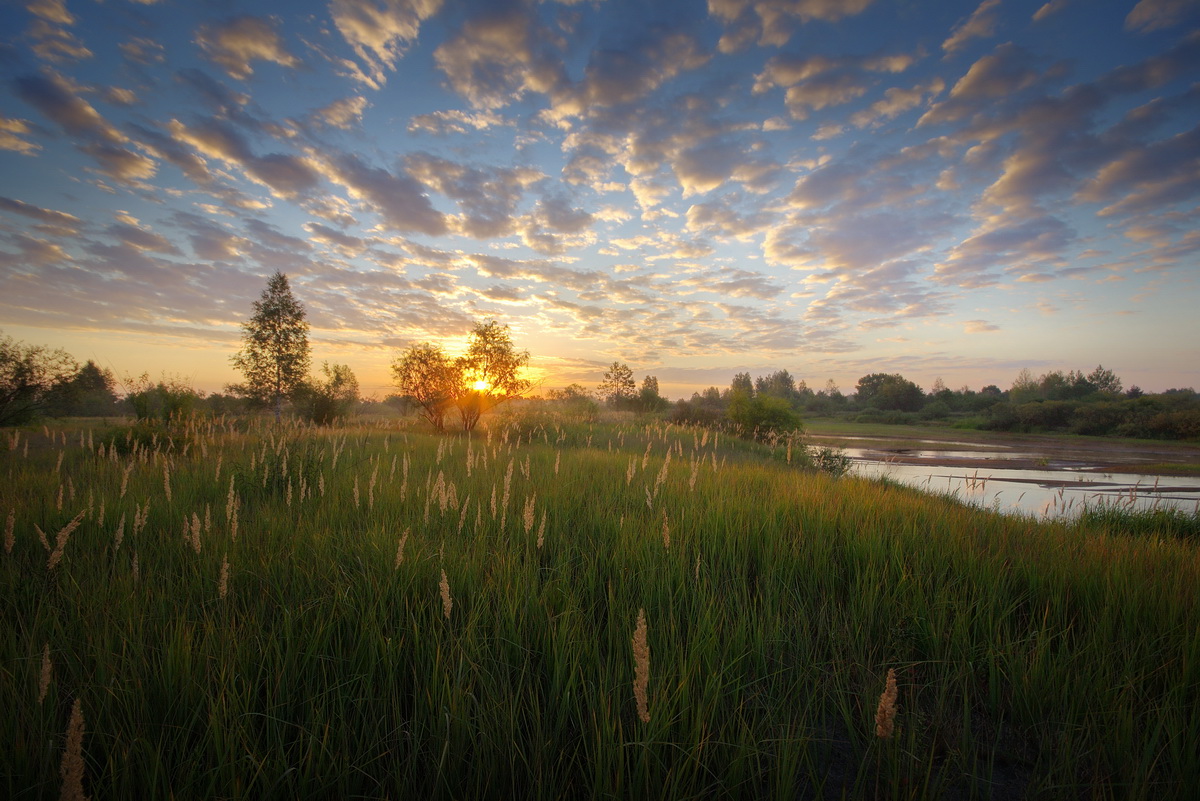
(34, 252)
(286, 175)
(344, 114)
(1052, 7)
(51, 39)
(59, 221)
(56, 99)
(1145, 178)
(11, 131)
(379, 31)
(816, 82)
(981, 24)
(52, 11)
(217, 96)
(772, 21)
(896, 101)
(499, 56)
(1153, 15)
(1002, 73)
(979, 327)
(398, 199)
(144, 51)
(718, 219)
(487, 197)
(628, 73)
(344, 243)
(455, 121)
(140, 238)
(235, 43)
(1013, 245)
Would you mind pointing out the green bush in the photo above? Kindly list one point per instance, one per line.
(763, 417)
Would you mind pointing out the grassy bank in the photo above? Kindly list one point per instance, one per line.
(364, 613)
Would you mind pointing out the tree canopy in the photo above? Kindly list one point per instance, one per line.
(275, 354)
(27, 375)
(618, 385)
(486, 375)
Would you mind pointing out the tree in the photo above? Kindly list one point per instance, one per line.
(489, 372)
(742, 383)
(88, 393)
(275, 355)
(618, 386)
(779, 384)
(27, 374)
(891, 392)
(649, 398)
(425, 374)
(323, 401)
(1105, 380)
(172, 399)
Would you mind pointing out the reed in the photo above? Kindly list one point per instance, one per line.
(641, 667)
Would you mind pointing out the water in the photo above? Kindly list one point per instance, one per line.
(1042, 492)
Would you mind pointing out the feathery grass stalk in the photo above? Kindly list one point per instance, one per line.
(71, 768)
(119, 534)
(60, 541)
(47, 674)
(662, 474)
(541, 538)
(42, 537)
(400, 549)
(125, 479)
(223, 586)
(529, 517)
(666, 532)
(641, 660)
(195, 531)
(447, 601)
(167, 479)
(885, 714)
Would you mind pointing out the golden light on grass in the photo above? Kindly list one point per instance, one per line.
(885, 715)
(641, 659)
(71, 768)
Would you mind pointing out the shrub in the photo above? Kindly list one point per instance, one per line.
(762, 417)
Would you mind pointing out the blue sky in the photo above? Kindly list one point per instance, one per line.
(835, 187)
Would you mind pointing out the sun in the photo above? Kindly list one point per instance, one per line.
(480, 386)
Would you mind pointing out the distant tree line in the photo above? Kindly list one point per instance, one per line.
(1094, 404)
(274, 360)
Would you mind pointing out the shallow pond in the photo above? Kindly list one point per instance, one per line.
(989, 479)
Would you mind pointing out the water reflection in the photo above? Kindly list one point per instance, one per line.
(1043, 492)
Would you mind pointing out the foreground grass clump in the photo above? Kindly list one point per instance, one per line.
(565, 611)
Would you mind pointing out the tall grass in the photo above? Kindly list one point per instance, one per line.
(384, 620)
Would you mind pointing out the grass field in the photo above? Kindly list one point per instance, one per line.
(248, 612)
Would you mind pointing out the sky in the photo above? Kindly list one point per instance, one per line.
(952, 190)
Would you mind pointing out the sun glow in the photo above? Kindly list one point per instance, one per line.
(480, 386)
